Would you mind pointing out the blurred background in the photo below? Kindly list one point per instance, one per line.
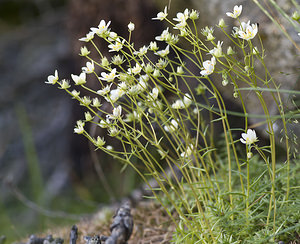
(48, 174)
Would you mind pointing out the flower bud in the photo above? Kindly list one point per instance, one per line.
(222, 23)
(230, 51)
(210, 37)
(296, 16)
(84, 51)
(131, 26)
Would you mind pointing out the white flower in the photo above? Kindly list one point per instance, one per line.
(217, 51)
(117, 46)
(187, 100)
(247, 31)
(164, 52)
(102, 28)
(75, 93)
(88, 116)
(84, 51)
(249, 137)
(135, 70)
(115, 95)
(237, 10)
(172, 127)
(105, 90)
(142, 51)
(194, 14)
(117, 111)
(131, 26)
(79, 129)
(89, 36)
(112, 36)
(178, 104)
(65, 84)
(113, 131)
(154, 94)
(96, 102)
(180, 17)
(109, 77)
(79, 79)
(153, 46)
(99, 142)
(162, 63)
(117, 59)
(161, 15)
(164, 35)
(52, 79)
(188, 152)
(179, 70)
(85, 101)
(185, 103)
(181, 25)
(89, 67)
(208, 67)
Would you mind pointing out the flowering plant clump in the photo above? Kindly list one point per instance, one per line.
(157, 115)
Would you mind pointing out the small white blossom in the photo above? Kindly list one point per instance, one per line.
(113, 36)
(208, 67)
(109, 77)
(116, 47)
(161, 15)
(172, 127)
(194, 14)
(217, 51)
(84, 51)
(65, 84)
(181, 25)
(117, 112)
(249, 137)
(79, 129)
(117, 59)
(179, 70)
(102, 28)
(188, 152)
(154, 94)
(105, 90)
(162, 63)
(178, 104)
(164, 35)
(237, 10)
(89, 36)
(182, 16)
(135, 70)
(52, 79)
(88, 116)
(96, 102)
(247, 31)
(156, 73)
(113, 131)
(79, 79)
(153, 46)
(142, 51)
(114, 95)
(75, 93)
(85, 101)
(164, 52)
(90, 67)
(109, 147)
(131, 26)
(249, 155)
(100, 142)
